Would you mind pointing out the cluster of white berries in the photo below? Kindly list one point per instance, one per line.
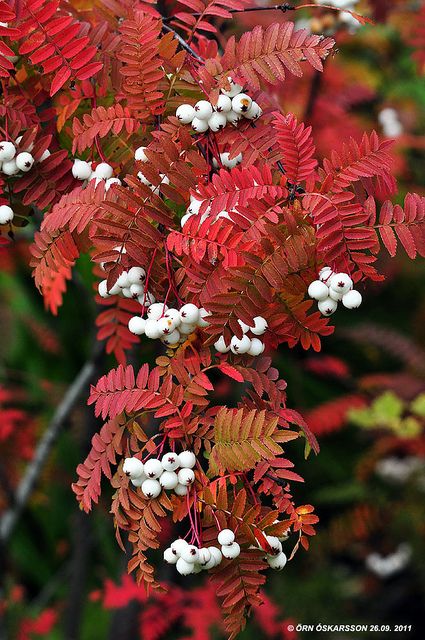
(231, 107)
(332, 288)
(174, 472)
(12, 163)
(130, 284)
(390, 123)
(103, 172)
(240, 346)
(190, 559)
(169, 325)
(141, 156)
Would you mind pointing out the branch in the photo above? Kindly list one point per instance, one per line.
(34, 468)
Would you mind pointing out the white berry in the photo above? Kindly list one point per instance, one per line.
(170, 461)
(318, 290)
(277, 562)
(183, 567)
(133, 467)
(275, 544)
(203, 110)
(190, 554)
(241, 103)
(123, 280)
(137, 482)
(157, 310)
(325, 274)
(327, 306)
(234, 89)
(204, 556)
(231, 551)
(224, 104)
(186, 477)
(165, 326)
(217, 122)
(260, 326)
(102, 289)
(256, 348)
(216, 557)
(151, 488)
(110, 182)
(103, 171)
(341, 282)
(233, 117)
(172, 338)
(352, 299)
(178, 545)
(335, 295)
(243, 326)
(136, 325)
(225, 537)
(254, 112)
(140, 154)
(194, 206)
(189, 313)
(230, 164)
(203, 313)
(168, 480)
(240, 345)
(200, 126)
(181, 490)
(173, 317)
(6, 214)
(153, 468)
(169, 556)
(46, 154)
(221, 346)
(10, 168)
(186, 329)
(81, 169)
(7, 151)
(185, 113)
(187, 459)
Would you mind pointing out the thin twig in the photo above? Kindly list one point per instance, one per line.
(182, 42)
(34, 469)
(278, 7)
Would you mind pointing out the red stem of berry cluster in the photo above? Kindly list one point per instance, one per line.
(148, 275)
(170, 274)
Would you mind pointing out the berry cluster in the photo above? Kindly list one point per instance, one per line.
(103, 172)
(169, 325)
(130, 284)
(230, 108)
(332, 288)
(239, 346)
(12, 163)
(190, 559)
(174, 472)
